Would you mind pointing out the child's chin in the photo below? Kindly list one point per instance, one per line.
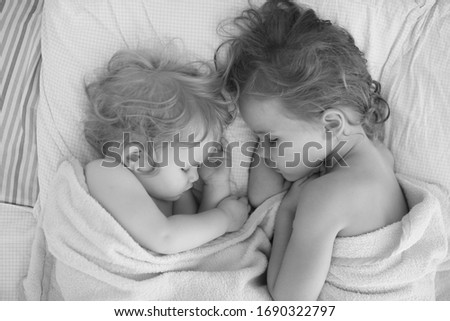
(173, 198)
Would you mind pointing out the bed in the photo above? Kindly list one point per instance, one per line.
(49, 47)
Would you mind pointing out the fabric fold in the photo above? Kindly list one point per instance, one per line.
(396, 262)
(96, 259)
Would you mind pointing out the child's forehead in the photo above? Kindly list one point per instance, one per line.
(196, 146)
(262, 113)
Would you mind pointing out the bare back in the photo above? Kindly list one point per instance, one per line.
(375, 198)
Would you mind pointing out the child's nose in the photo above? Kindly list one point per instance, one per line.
(193, 174)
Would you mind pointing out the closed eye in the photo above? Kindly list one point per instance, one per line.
(273, 141)
(267, 137)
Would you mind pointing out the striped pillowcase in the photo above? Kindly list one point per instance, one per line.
(20, 52)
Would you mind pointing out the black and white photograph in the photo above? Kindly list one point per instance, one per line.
(225, 150)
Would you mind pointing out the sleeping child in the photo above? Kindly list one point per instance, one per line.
(164, 119)
(303, 87)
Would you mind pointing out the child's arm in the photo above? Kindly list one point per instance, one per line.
(283, 227)
(120, 192)
(216, 180)
(281, 235)
(299, 264)
(263, 181)
(213, 194)
(186, 204)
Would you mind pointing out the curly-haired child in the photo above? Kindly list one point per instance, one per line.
(303, 87)
(154, 120)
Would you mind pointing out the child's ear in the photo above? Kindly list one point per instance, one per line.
(133, 157)
(333, 120)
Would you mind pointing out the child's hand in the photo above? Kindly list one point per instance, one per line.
(216, 169)
(237, 210)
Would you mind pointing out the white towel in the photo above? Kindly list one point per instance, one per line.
(95, 258)
(396, 262)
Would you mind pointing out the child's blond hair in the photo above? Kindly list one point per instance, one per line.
(152, 97)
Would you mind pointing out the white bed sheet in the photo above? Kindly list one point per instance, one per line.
(18, 225)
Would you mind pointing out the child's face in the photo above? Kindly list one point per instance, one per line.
(296, 147)
(179, 172)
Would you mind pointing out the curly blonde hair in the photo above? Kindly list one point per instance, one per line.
(283, 50)
(152, 97)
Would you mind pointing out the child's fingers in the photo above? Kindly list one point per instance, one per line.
(244, 200)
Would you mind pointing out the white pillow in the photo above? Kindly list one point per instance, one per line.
(380, 28)
(17, 226)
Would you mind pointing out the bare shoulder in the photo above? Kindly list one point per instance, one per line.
(370, 197)
(358, 198)
(111, 185)
(101, 177)
(102, 165)
(343, 202)
(323, 203)
(94, 169)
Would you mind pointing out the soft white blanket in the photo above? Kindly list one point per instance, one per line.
(95, 258)
(397, 262)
